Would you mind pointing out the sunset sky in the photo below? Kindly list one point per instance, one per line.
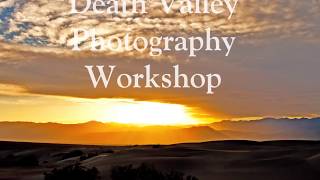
(273, 70)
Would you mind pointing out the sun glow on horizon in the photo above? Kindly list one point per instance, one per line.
(151, 113)
(70, 110)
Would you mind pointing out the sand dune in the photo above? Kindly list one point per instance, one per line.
(222, 160)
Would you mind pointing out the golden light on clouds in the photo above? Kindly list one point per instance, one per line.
(276, 39)
(8, 89)
(48, 108)
(129, 111)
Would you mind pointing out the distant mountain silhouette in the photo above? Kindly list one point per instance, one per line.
(94, 132)
(272, 129)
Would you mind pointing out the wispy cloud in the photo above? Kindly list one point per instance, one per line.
(43, 23)
(275, 77)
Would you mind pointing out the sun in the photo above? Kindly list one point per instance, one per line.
(150, 113)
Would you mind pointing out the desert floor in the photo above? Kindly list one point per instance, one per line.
(220, 160)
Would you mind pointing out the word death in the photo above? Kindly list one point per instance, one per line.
(153, 80)
(140, 6)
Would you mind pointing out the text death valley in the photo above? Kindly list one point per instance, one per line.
(104, 75)
(125, 7)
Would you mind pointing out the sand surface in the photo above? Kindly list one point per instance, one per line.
(221, 160)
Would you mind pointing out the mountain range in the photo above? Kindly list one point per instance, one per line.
(94, 132)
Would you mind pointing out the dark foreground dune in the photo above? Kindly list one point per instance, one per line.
(221, 160)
